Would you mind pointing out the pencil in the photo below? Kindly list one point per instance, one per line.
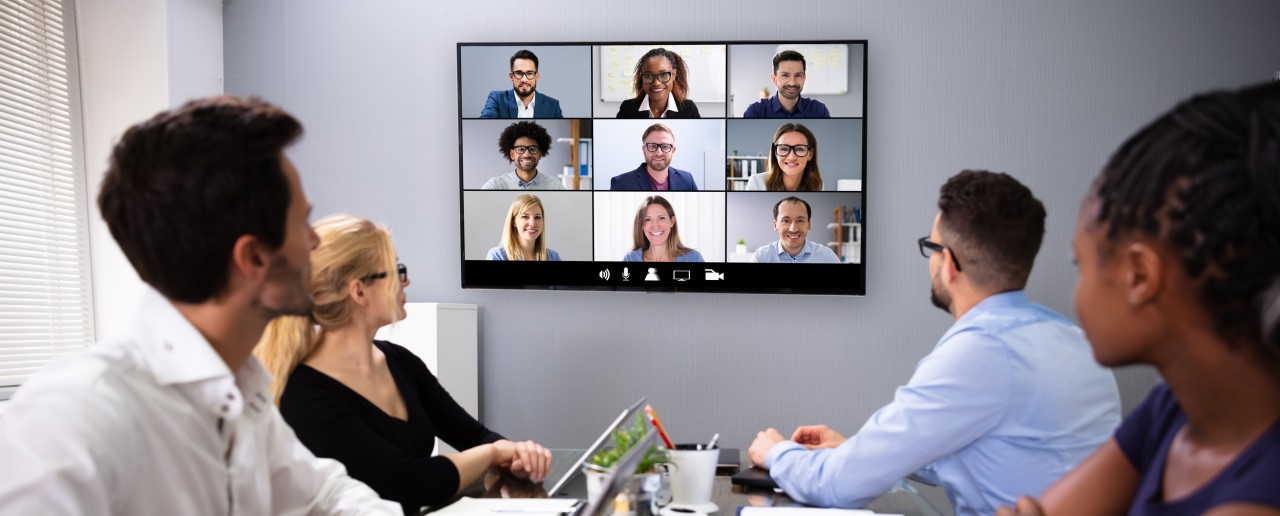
(653, 417)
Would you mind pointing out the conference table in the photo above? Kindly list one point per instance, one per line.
(906, 499)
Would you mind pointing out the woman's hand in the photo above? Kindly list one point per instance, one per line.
(525, 459)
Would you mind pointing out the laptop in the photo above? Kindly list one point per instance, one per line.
(616, 480)
(624, 418)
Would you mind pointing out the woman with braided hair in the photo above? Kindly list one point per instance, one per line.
(1178, 245)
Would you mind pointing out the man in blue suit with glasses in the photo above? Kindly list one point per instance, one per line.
(523, 99)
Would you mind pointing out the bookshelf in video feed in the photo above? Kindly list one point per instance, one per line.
(706, 166)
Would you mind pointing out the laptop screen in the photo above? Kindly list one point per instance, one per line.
(595, 447)
(617, 479)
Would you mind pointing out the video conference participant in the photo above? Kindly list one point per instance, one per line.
(524, 234)
(656, 173)
(788, 77)
(1010, 398)
(523, 144)
(661, 82)
(374, 405)
(791, 218)
(656, 235)
(793, 162)
(1177, 249)
(523, 100)
(152, 423)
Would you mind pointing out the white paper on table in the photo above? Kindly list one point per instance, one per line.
(500, 506)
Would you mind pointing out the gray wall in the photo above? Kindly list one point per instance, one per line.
(750, 215)
(839, 144)
(749, 69)
(1043, 90)
(562, 74)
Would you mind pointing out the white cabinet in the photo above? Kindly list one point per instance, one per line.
(445, 336)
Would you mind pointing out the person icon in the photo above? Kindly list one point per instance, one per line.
(652, 276)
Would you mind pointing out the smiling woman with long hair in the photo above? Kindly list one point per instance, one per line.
(1178, 245)
(524, 233)
(370, 404)
(661, 84)
(656, 235)
(793, 162)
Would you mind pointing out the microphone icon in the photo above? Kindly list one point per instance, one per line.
(626, 274)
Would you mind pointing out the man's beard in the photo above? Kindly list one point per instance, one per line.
(294, 294)
(941, 300)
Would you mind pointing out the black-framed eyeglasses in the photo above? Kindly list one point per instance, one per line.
(800, 150)
(524, 75)
(400, 269)
(648, 78)
(655, 147)
(521, 149)
(928, 247)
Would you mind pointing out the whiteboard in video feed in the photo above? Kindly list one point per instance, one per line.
(826, 68)
(706, 70)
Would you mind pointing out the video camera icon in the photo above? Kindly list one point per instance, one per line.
(712, 275)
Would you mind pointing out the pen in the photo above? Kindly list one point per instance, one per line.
(653, 417)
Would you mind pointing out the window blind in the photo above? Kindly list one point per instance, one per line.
(45, 292)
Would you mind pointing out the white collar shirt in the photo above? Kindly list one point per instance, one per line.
(521, 110)
(671, 105)
(156, 424)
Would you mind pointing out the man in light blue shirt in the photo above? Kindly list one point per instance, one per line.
(1009, 399)
(791, 220)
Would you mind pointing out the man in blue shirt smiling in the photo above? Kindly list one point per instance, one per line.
(1009, 399)
(788, 77)
(791, 220)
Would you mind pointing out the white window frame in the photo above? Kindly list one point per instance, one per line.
(46, 294)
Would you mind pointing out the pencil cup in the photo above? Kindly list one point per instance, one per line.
(693, 473)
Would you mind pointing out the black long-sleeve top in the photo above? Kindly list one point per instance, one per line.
(391, 455)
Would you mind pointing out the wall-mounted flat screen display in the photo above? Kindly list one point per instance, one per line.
(707, 166)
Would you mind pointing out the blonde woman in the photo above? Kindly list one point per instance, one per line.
(656, 236)
(373, 405)
(793, 162)
(523, 235)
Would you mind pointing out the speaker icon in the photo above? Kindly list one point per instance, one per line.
(604, 274)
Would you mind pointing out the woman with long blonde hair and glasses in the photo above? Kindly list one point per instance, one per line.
(793, 162)
(524, 234)
(373, 405)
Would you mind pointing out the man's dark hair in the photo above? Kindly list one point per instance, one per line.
(518, 130)
(993, 225)
(183, 186)
(1205, 179)
(808, 211)
(524, 54)
(788, 55)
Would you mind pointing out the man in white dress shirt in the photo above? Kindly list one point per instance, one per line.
(176, 417)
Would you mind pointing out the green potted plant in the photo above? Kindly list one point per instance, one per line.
(647, 481)
(742, 246)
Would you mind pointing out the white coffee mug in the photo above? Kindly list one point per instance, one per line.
(693, 474)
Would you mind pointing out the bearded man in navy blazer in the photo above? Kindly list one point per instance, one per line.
(523, 99)
(656, 173)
